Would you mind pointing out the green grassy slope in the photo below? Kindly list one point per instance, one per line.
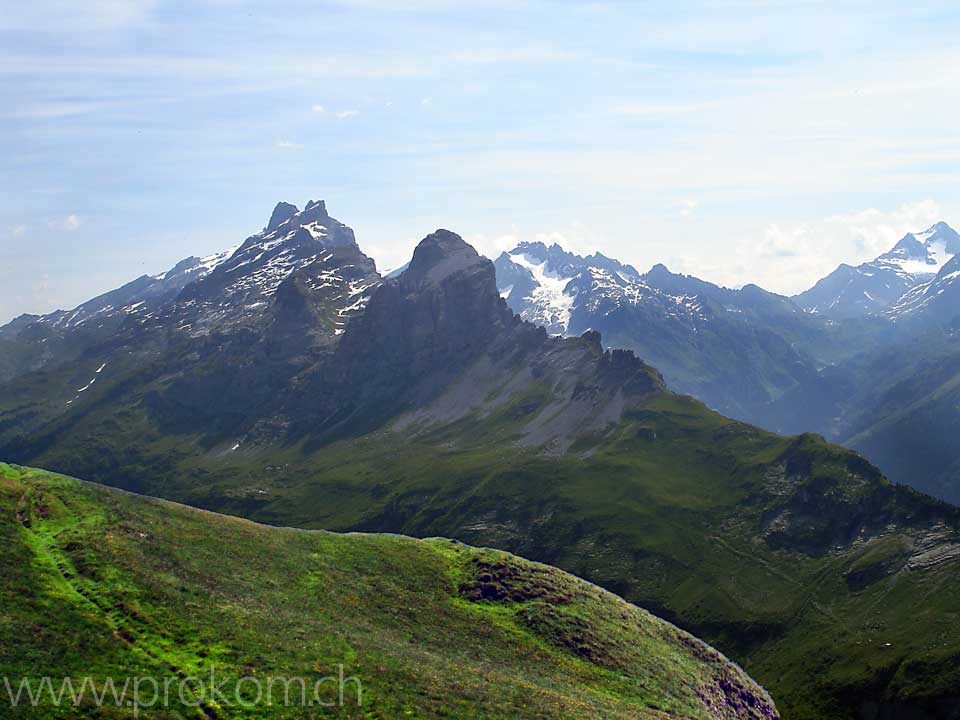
(832, 587)
(100, 583)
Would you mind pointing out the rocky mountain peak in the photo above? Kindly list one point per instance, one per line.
(281, 213)
(440, 255)
(934, 246)
(314, 211)
(444, 304)
(908, 247)
(659, 270)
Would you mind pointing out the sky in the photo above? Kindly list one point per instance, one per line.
(762, 142)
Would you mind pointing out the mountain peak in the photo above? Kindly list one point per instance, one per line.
(941, 233)
(659, 270)
(934, 246)
(281, 213)
(315, 210)
(439, 255)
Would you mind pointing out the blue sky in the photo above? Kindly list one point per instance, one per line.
(739, 141)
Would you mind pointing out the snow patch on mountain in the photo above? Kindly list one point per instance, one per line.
(550, 293)
(551, 287)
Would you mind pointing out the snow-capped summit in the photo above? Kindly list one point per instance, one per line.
(923, 253)
(542, 283)
(306, 246)
(875, 286)
(303, 274)
(734, 349)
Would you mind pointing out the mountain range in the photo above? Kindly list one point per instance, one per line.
(290, 384)
(880, 285)
(866, 357)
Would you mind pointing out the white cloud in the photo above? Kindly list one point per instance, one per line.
(68, 224)
(288, 145)
(687, 206)
(319, 109)
(790, 257)
(344, 114)
(19, 231)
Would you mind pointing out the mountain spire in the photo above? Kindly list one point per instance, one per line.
(281, 213)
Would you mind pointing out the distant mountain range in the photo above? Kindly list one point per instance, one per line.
(840, 359)
(288, 382)
(881, 285)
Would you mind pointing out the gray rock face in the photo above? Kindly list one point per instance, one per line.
(281, 213)
(422, 327)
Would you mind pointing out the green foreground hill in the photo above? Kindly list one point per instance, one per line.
(100, 583)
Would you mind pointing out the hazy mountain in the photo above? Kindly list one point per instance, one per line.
(759, 357)
(737, 350)
(936, 301)
(873, 287)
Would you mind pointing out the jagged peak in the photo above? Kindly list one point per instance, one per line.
(593, 337)
(660, 270)
(315, 210)
(940, 226)
(281, 213)
(918, 245)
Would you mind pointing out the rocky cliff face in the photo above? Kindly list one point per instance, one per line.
(440, 313)
(437, 342)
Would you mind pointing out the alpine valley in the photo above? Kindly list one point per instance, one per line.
(503, 405)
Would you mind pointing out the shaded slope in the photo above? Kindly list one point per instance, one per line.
(101, 584)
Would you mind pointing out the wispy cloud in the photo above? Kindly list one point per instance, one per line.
(654, 108)
(68, 224)
(513, 56)
(686, 207)
(344, 114)
(288, 145)
(48, 110)
(46, 16)
(790, 257)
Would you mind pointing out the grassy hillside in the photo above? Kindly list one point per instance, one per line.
(100, 583)
(833, 588)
